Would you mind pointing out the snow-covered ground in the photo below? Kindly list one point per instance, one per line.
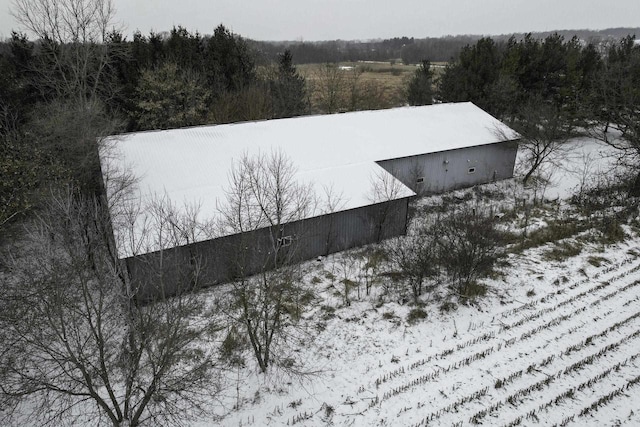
(548, 345)
(555, 343)
(581, 163)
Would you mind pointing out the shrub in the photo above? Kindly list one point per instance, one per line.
(328, 312)
(416, 314)
(597, 261)
(562, 251)
(388, 315)
(612, 232)
(473, 290)
(468, 245)
(232, 347)
(330, 276)
(295, 403)
(414, 257)
(556, 230)
(448, 306)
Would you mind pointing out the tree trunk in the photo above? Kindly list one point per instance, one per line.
(634, 190)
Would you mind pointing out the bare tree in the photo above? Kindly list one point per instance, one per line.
(544, 130)
(375, 95)
(329, 82)
(354, 86)
(347, 267)
(333, 202)
(73, 42)
(264, 199)
(615, 112)
(76, 346)
(251, 102)
(415, 257)
(263, 193)
(371, 262)
(74, 75)
(384, 189)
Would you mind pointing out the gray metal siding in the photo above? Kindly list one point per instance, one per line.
(220, 260)
(449, 170)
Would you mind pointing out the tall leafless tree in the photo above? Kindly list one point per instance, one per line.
(76, 345)
(264, 199)
(328, 85)
(331, 202)
(73, 42)
(544, 131)
(384, 189)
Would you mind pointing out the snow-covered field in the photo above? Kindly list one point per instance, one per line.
(553, 342)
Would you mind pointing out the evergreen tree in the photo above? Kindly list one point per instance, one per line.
(420, 89)
(288, 89)
(123, 75)
(185, 49)
(229, 63)
(17, 93)
(168, 97)
(473, 75)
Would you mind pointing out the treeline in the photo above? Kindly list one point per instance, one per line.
(407, 49)
(154, 81)
(584, 82)
(179, 78)
(501, 76)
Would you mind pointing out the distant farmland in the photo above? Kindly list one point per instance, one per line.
(362, 84)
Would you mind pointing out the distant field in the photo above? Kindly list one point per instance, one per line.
(379, 84)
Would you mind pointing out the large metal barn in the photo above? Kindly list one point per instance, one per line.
(371, 162)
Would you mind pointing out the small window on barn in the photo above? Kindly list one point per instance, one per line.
(419, 180)
(285, 241)
(471, 170)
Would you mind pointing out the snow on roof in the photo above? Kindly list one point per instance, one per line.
(338, 151)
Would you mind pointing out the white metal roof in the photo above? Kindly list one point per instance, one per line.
(339, 151)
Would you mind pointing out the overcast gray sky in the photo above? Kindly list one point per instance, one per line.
(365, 19)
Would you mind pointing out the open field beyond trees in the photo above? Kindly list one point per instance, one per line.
(373, 84)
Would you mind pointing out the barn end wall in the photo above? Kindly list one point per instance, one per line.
(215, 261)
(449, 170)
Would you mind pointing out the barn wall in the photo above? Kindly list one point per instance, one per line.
(449, 170)
(220, 260)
